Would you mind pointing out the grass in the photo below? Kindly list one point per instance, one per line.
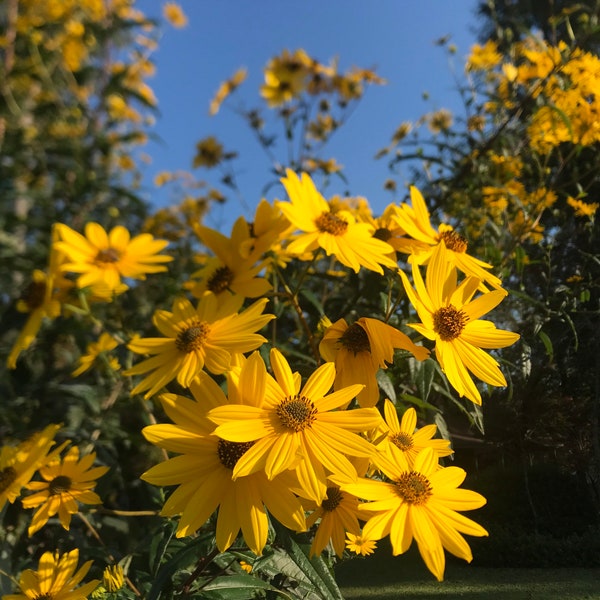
(382, 577)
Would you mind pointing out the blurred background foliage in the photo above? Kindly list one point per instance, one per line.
(75, 111)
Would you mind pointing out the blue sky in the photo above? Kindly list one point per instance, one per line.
(397, 37)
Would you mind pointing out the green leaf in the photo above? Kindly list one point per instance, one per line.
(236, 587)
(312, 298)
(424, 377)
(385, 383)
(547, 344)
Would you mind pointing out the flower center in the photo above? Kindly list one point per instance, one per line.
(402, 440)
(333, 499)
(46, 596)
(193, 337)
(60, 485)
(34, 294)
(230, 452)
(110, 255)
(383, 234)
(7, 477)
(355, 339)
(413, 488)
(448, 322)
(327, 222)
(220, 280)
(454, 241)
(296, 413)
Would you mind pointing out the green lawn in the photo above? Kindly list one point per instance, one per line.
(380, 577)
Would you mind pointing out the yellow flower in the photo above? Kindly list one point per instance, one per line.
(19, 463)
(483, 58)
(420, 502)
(173, 13)
(285, 77)
(226, 89)
(439, 121)
(337, 233)
(66, 482)
(294, 428)
(55, 579)
(195, 338)
(102, 259)
(450, 317)
(105, 344)
(360, 350)
(360, 544)
(203, 474)
(583, 209)
(209, 153)
(113, 578)
(416, 222)
(404, 437)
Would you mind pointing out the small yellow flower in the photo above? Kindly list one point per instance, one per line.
(113, 578)
(174, 14)
(360, 544)
(583, 209)
(105, 344)
(209, 153)
(226, 89)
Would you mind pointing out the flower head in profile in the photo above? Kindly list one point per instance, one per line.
(203, 469)
(19, 463)
(67, 482)
(416, 222)
(403, 436)
(338, 233)
(421, 503)
(94, 353)
(174, 14)
(359, 544)
(361, 349)
(450, 317)
(206, 336)
(293, 427)
(226, 89)
(57, 578)
(102, 260)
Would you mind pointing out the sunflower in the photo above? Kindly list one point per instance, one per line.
(285, 77)
(55, 579)
(416, 222)
(360, 350)
(102, 259)
(66, 482)
(292, 428)
(203, 474)
(228, 271)
(94, 351)
(450, 317)
(338, 233)
(195, 338)
(420, 502)
(401, 435)
(19, 463)
(42, 299)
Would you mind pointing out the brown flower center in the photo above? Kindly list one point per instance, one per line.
(413, 488)
(448, 322)
(60, 485)
(383, 234)
(230, 452)
(193, 337)
(402, 440)
(296, 413)
(47, 596)
(355, 339)
(110, 255)
(34, 294)
(7, 478)
(220, 280)
(454, 241)
(333, 499)
(327, 222)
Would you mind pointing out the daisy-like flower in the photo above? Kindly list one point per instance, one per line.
(338, 514)
(19, 463)
(203, 474)
(42, 299)
(420, 502)
(404, 436)
(416, 222)
(226, 89)
(196, 338)
(67, 482)
(360, 544)
(57, 578)
(285, 77)
(450, 317)
(228, 272)
(293, 428)
(360, 350)
(102, 259)
(386, 228)
(338, 233)
(94, 351)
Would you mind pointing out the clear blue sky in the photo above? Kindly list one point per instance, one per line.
(395, 36)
